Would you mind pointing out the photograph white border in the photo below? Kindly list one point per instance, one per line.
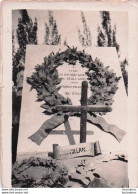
(6, 79)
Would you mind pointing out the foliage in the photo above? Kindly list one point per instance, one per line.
(107, 38)
(27, 30)
(103, 84)
(51, 173)
(52, 36)
(13, 44)
(45, 80)
(26, 34)
(107, 35)
(85, 36)
(124, 65)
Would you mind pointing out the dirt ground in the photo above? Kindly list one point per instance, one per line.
(102, 171)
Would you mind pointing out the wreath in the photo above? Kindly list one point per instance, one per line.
(103, 82)
(51, 173)
(45, 80)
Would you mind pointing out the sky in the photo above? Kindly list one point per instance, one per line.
(69, 22)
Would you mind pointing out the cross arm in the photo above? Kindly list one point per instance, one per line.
(89, 108)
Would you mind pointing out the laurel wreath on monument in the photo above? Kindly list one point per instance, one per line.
(45, 80)
(51, 173)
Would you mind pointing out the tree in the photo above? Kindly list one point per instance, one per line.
(27, 30)
(26, 34)
(13, 44)
(124, 65)
(107, 35)
(52, 37)
(85, 36)
(107, 38)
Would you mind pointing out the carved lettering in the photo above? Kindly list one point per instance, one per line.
(72, 77)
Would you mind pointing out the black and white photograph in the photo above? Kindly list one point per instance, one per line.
(70, 94)
(70, 83)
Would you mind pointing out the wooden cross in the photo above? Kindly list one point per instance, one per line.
(83, 108)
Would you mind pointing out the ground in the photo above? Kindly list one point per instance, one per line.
(105, 170)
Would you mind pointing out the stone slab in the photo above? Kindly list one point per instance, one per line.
(32, 116)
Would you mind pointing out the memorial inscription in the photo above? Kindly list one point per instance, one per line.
(72, 77)
(73, 151)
